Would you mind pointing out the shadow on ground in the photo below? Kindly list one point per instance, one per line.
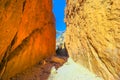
(42, 70)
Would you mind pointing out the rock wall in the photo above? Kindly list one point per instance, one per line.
(27, 34)
(93, 35)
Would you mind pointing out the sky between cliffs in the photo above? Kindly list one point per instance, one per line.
(58, 10)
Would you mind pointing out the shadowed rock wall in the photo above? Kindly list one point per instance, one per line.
(27, 34)
(93, 35)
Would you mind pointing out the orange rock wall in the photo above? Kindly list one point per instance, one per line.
(27, 34)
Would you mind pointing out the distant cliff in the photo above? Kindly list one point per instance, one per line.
(27, 34)
(93, 35)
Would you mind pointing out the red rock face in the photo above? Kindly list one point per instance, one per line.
(27, 34)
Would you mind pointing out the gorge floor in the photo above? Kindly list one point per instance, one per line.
(57, 68)
(42, 70)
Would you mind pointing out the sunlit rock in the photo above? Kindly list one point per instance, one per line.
(93, 35)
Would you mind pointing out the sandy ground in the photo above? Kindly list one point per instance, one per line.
(72, 71)
(54, 69)
(42, 70)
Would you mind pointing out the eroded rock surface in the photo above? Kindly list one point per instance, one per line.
(27, 34)
(93, 35)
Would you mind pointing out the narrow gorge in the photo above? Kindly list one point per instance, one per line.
(28, 40)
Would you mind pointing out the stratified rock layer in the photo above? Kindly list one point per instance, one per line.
(93, 35)
(27, 34)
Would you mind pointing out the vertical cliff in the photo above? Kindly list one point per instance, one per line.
(27, 34)
(93, 35)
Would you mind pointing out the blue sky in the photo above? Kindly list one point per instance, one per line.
(58, 10)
